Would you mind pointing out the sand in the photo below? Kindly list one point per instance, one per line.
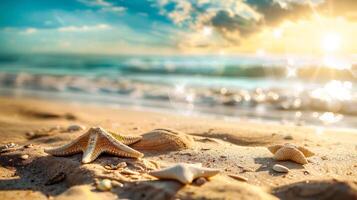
(237, 147)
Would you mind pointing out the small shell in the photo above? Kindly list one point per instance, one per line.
(164, 140)
(104, 185)
(289, 153)
(280, 168)
(24, 157)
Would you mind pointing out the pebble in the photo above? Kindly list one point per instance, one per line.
(200, 181)
(104, 185)
(324, 157)
(223, 156)
(30, 134)
(28, 146)
(75, 127)
(24, 157)
(288, 137)
(280, 168)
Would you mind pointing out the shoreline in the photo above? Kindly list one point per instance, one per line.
(234, 147)
(123, 102)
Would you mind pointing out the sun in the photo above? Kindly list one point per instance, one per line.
(331, 42)
(207, 31)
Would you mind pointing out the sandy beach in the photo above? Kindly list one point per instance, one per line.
(237, 147)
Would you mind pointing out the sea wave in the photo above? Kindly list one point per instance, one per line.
(188, 85)
(218, 66)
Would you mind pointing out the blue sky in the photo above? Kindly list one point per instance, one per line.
(141, 26)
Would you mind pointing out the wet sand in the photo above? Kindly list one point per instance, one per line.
(237, 147)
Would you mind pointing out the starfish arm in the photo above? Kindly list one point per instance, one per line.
(115, 147)
(93, 149)
(179, 173)
(204, 172)
(126, 139)
(71, 148)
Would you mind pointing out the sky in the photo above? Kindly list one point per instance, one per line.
(305, 27)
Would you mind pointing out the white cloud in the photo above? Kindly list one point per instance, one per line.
(95, 2)
(105, 5)
(229, 18)
(84, 28)
(286, 4)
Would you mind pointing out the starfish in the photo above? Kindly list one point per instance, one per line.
(291, 152)
(184, 173)
(96, 141)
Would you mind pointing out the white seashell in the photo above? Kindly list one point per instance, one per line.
(104, 185)
(280, 168)
(24, 157)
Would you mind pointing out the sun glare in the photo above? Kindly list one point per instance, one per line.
(331, 42)
(207, 31)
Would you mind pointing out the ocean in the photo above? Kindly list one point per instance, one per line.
(297, 90)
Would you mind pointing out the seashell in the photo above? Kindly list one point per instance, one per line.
(104, 185)
(280, 168)
(291, 152)
(164, 140)
(8, 147)
(184, 173)
(288, 153)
